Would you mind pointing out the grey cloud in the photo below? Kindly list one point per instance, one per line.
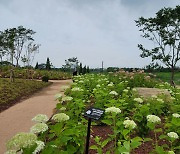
(92, 30)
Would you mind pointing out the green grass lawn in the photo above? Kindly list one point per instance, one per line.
(166, 76)
(11, 92)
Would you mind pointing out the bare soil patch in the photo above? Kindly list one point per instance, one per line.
(148, 92)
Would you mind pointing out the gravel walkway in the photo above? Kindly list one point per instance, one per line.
(18, 117)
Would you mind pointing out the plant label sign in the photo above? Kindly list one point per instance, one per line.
(94, 113)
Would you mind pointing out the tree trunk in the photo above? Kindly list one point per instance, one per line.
(172, 77)
(17, 63)
(11, 69)
(11, 74)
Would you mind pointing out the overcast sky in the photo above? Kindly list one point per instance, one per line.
(91, 30)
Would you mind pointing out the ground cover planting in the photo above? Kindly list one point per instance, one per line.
(34, 73)
(130, 124)
(165, 76)
(11, 92)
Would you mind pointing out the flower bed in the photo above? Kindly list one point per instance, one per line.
(34, 74)
(131, 124)
(11, 92)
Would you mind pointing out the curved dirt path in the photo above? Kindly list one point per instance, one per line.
(18, 117)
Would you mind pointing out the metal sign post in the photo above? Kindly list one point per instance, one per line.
(88, 136)
(95, 114)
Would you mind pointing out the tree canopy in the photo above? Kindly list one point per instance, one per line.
(164, 31)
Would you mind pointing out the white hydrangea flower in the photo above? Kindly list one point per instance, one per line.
(67, 98)
(172, 98)
(39, 128)
(171, 152)
(11, 152)
(176, 115)
(21, 140)
(112, 110)
(63, 88)
(113, 93)
(40, 118)
(139, 100)
(110, 84)
(62, 109)
(54, 146)
(134, 90)
(154, 96)
(81, 81)
(125, 90)
(129, 124)
(60, 117)
(98, 86)
(153, 119)
(160, 100)
(173, 135)
(58, 96)
(40, 146)
(74, 84)
(76, 89)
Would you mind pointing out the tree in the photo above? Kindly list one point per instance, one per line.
(164, 31)
(88, 69)
(36, 67)
(84, 70)
(80, 68)
(12, 42)
(48, 65)
(23, 36)
(29, 55)
(71, 64)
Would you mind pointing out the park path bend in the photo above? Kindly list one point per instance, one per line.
(18, 117)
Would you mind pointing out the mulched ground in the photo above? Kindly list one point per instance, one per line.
(144, 148)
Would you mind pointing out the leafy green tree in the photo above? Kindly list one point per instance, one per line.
(71, 64)
(12, 42)
(80, 68)
(84, 71)
(164, 31)
(36, 67)
(48, 65)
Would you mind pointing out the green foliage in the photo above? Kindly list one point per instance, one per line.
(163, 30)
(45, 78)
(125, 116)
(100, 144)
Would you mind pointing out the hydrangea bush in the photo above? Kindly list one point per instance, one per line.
(117, 95)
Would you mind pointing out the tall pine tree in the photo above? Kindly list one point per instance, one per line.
(84, 70)
(87, 69)
(36, 67)
(48, 65)
(80, 68)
